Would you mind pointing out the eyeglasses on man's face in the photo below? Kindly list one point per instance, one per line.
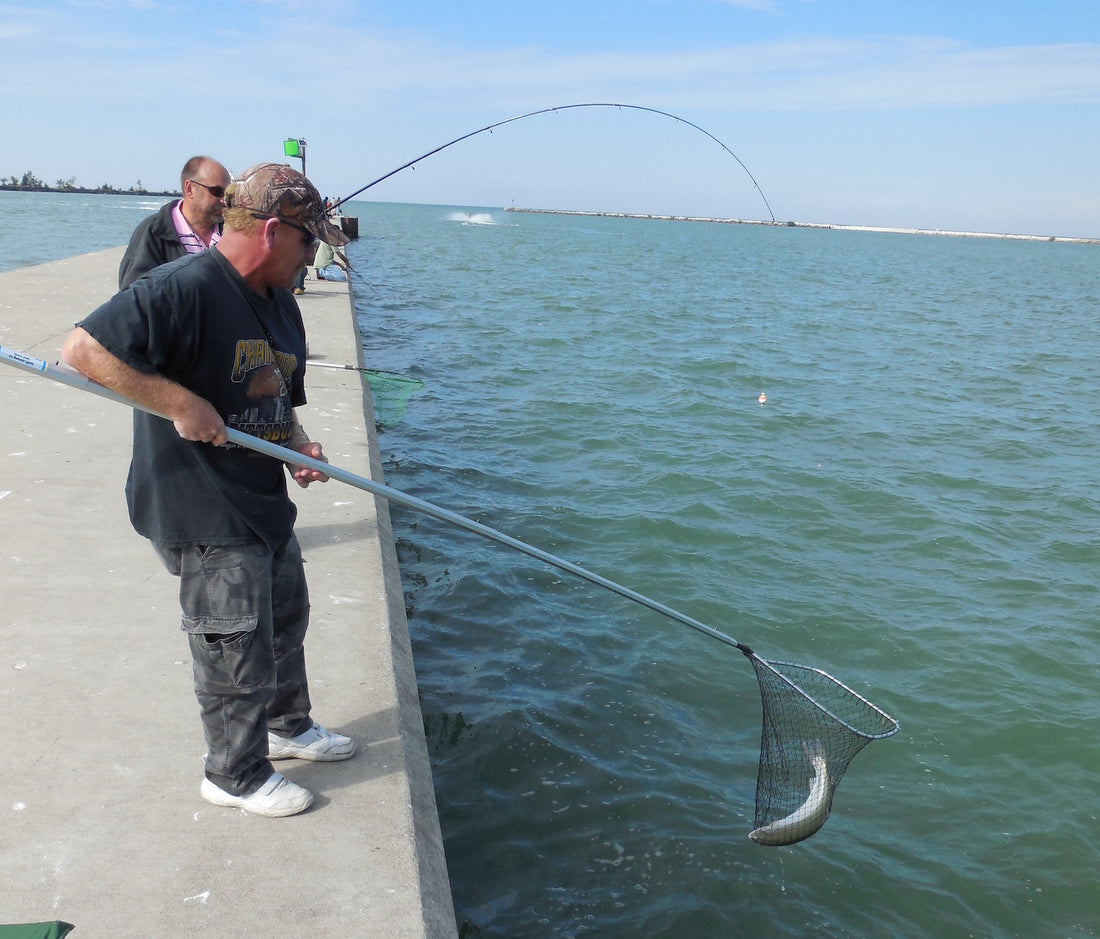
(309, 240)
(218, 192)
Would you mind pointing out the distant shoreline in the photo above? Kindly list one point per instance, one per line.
(1060, 239)
(85, 191)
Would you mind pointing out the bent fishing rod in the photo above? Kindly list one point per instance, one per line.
(554, 110)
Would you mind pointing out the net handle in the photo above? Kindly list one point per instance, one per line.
(73, 379)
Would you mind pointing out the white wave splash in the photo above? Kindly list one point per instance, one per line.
(472, 218)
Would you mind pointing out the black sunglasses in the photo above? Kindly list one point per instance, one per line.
(308, 238)
(216, 191)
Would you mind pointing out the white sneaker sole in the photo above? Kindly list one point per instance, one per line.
(278, 750)
(314, 756)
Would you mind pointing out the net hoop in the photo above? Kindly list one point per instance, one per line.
(889, 724)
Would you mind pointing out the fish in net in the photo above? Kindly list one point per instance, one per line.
(812, 727)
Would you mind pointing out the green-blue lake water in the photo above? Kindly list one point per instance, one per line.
(913, 509)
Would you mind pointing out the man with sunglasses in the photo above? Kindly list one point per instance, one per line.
(216, 340)
(186, 226)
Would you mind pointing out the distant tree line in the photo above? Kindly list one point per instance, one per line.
(28, 182)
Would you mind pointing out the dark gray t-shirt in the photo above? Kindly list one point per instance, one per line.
(198, 323)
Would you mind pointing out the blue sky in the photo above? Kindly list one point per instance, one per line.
(976, 115)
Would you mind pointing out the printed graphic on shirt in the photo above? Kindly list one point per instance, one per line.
(265, 374)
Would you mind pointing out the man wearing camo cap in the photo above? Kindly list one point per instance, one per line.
(216, 340)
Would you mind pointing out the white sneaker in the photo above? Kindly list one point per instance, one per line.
(276, 798)
(315, 744)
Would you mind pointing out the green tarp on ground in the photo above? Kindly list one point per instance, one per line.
(54, 930)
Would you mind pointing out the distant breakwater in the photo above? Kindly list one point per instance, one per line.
(825, 225)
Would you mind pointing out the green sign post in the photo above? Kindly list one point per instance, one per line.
(295, 147)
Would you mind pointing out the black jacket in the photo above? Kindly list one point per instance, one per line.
(153, 243)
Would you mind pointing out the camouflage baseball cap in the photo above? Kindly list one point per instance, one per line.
(276, 190)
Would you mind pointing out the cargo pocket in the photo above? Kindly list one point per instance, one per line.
(231, 663)
(219, 590)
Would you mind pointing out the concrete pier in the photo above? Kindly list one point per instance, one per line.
(103, 826)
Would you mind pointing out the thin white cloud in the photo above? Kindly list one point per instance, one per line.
(766, 6)
(10, 32)
(907, 72)
(807, 74)
(810, 73)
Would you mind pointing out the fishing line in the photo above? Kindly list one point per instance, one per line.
(390, 390)
(363, 280)
(812, 726)
(762, 398)
(554, 110)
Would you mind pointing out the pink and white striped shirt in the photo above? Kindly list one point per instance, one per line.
(191, 242)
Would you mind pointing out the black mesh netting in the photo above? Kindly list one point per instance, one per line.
(812, 728)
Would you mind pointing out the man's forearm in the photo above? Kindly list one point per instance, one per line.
(84, 353)
(194, 417)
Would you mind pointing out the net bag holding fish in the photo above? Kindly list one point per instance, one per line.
(812, 727)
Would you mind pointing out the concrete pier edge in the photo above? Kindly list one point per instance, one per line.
(104, 826)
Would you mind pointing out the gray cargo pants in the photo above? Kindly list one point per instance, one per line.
(245, 612)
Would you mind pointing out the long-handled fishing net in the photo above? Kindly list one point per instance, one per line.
(812, 724)
(391, 393)
(390, 390)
